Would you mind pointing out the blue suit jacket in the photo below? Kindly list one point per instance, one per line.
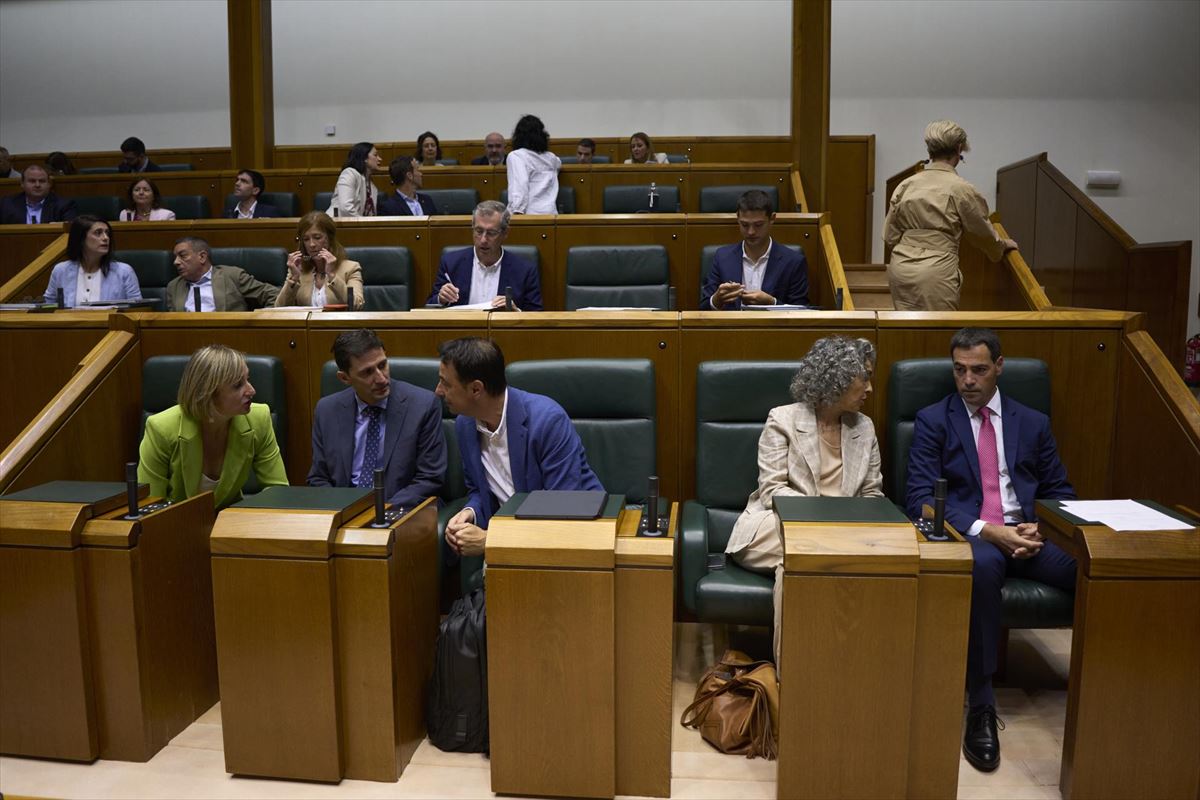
(543, 449)
(54, 209)
(785, 279)
(944, 447)
(414, 449)
(390, 205)
(515, 271)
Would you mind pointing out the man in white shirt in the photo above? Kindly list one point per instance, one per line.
(755, 271)
(483, 274)
(997, 457)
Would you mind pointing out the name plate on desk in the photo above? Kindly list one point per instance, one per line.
(837, 509)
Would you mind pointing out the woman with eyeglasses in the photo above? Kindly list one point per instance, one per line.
(319, 272)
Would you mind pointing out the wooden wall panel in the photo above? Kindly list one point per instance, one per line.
(198, 157)
(20, 244)
(850, 196)
(1157, 284)
(1053, 250)
(1101, 267)
(1016, 201)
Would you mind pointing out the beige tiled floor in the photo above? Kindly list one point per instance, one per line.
(192, 765)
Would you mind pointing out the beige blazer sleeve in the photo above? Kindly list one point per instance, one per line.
(350, 194)
(347, 273)
(973, 213)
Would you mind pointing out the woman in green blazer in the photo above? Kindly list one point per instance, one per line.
(211, 439)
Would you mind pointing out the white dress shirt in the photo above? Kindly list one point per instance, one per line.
(1009, 504)
(485, 281)
(207, 303)
(245, 214)
(753, 271)
(318, 295)
(493, 451)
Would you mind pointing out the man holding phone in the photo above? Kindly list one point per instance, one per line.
(755, 272)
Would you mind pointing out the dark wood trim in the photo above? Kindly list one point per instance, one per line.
(810, 96)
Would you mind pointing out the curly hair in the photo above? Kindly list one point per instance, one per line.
(828, 369)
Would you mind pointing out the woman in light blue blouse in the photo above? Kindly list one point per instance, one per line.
(89, 275)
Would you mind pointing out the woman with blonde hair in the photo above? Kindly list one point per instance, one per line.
(641, 151)
(214, 436)
(319, 272)
(928, 215)
(822, 445)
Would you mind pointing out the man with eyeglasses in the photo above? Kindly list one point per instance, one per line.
(479, 276)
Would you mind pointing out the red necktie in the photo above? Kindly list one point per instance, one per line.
(989, 471)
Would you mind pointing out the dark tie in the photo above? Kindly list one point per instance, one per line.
(366, 477)
(33, 219)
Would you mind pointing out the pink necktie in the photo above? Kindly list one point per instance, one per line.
(989, 471)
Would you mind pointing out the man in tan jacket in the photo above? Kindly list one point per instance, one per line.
(221, 288)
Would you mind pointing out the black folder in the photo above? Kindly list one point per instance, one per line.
(837, 509)
(305, 498)
(83, 492)
(545, 504)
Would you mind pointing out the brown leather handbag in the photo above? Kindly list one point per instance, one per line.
(736, 707)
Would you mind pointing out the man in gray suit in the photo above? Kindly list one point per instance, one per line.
(379, 423)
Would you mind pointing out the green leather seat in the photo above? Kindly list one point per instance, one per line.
(288, 203)
(107, 207)
(677, 158)
(565, 201)
(387, 277)
(595, 159)
(454, 201)
(709, 251)
(723, 199)
(175, 167)
(733, 399)
(98, 170)
(188, 206)
(919, 382)
(268, 264)
(321, 201)
(154, 270)
(636, 199)
(631, 275)
(160, 387)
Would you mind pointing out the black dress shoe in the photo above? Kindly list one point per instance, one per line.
(981, 743)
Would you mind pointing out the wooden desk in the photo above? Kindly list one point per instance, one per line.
(107, 632)
(1133, 703)
(325, 634)
(551, 606)
(850, 605)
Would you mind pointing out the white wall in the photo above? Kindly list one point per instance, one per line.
(84, 74)
(1097, 85)
(593, 68)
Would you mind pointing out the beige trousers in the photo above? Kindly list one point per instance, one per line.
(764, 555)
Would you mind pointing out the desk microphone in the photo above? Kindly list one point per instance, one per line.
(380, 516)
(508, 301)
(349, 298)
(652, 195)
(652, 507)
(59, 299)
(939, 511)
(131, 490)
(196, 297)
(839, 299)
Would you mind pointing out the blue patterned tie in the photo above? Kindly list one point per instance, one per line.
(366, 477)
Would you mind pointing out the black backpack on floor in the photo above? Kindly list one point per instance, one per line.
(457, 713)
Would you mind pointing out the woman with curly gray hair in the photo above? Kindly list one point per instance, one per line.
(821, 445)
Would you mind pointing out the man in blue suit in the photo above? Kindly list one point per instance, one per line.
(997, 457)
(377, 423)
(482, 273)
(511, 441)
(248, 187)
(406, 201)
(756, 271)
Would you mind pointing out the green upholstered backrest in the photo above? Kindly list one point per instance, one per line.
(423, 373)
(724, 199)
(611, 403)
(321, 201)
(613, 275)
(268, 264)
(677, 158)
(636, 199)
(288, 203)
(595, 159)
(918, 382)
(98, 170)
(565, 201)
(175, 167)
(107, 207)
(187, 206)
(454, 201)
(387, 276)
(733, 399)
(154, 270)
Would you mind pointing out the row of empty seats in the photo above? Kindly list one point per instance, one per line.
(630, 199)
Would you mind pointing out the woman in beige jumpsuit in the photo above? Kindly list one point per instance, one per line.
(928, 215)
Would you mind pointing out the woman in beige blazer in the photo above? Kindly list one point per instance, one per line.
(319, 272)
(821, 445)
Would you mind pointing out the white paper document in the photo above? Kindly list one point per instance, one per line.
(1123, 515)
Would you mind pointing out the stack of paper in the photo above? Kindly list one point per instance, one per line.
(1123, 515)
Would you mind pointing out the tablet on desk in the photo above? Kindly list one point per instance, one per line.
(545, 504)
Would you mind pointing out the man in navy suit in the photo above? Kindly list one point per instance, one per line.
(377, 423)
(493, 151)
(997, 457)
(406, 201)
(35, 203)
(134, 158)
(247, 187)
(511, 441)
(482, 273)
(756, 271)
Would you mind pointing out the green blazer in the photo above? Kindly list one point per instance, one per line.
(234, 289)
(172, 455)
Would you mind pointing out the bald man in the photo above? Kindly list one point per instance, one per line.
(493, 151)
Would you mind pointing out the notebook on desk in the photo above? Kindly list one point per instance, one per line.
(837, 509)
(544, 504)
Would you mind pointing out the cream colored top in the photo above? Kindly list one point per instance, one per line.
(932, 210)
(829, 483)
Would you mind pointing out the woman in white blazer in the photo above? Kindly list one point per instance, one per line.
(821, 445)
(355, 195)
